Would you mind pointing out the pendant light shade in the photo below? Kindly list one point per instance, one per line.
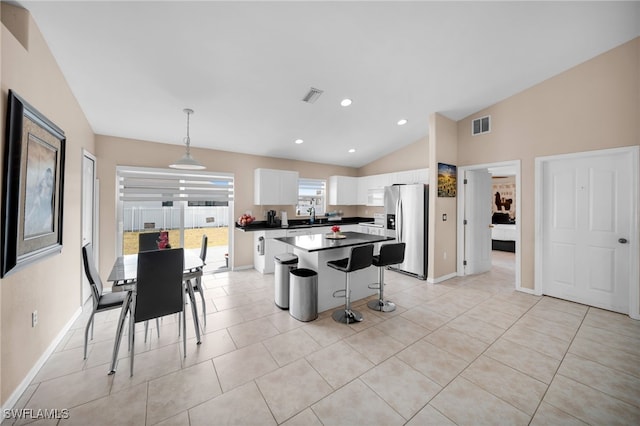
(187, 162)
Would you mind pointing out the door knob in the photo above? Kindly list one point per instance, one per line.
(622, 240)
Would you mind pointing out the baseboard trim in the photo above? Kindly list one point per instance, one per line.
(442, 278)
(17, 393)
(240, 268)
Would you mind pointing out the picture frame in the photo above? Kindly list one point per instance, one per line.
(447, 180)
(33, 186)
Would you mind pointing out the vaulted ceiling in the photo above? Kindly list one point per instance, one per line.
(244, 67)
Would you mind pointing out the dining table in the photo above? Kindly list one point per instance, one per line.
(123, 277)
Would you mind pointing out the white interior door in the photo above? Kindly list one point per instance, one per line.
(88, 213)
(477, 214)
(586, 227)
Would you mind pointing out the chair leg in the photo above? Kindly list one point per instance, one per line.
(116, 347)
(184, 332)
(86, 332)
(347, 315)
(381, 304)
(132, 332)
(204, 304)
(194, 311)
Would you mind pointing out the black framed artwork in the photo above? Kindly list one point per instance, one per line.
(447, 180)
(33, 184)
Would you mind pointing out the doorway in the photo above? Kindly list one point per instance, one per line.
(477, 249)
(586, 235)
(89, 216)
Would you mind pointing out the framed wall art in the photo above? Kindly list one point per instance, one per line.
(447, 180)
(32, 190)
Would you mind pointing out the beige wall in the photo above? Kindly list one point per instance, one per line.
(51, 286)
(112, 152)
(443, 148)
(591, 106)
(411, 157)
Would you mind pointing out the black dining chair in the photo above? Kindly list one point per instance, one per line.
(359, 258)
(148, 241)
(102, 301)
(159, 291)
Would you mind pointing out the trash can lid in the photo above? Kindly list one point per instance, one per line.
(303, 272)
(286, 258)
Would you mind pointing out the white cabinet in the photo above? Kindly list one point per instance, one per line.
(343, 190)
(363, 188)
(264, 263)
(370, 189)
(275, 187)
(371, 229)
(412, 176)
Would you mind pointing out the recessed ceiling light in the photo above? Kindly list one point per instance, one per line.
(299, 141)
(402, 122)
(352, 150)
(346, 102)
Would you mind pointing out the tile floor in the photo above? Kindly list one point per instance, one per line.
(467, 351)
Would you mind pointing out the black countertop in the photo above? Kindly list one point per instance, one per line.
(319, 242)
(303, 223)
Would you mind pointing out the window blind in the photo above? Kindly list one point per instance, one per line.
(311, 187)
(143, 184)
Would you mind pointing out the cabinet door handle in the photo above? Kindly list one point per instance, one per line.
(622, 240)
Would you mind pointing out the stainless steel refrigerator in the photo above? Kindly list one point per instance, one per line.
(406, 212)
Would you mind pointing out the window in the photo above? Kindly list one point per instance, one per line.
(311, 192)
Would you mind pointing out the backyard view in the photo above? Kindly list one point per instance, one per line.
(217, 247)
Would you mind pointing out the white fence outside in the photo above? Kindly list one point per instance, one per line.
(140, 218)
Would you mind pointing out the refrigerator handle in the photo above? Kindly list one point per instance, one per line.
(399, 221)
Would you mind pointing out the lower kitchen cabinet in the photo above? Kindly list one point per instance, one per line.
(266, 249)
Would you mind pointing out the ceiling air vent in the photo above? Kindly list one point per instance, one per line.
(481, 125)
(312, 96)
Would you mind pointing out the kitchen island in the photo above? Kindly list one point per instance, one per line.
(314, 251)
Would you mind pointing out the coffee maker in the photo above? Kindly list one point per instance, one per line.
(271, 218)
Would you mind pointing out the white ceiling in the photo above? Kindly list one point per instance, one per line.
(245, 66)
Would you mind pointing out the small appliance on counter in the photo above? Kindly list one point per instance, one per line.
(271, 218)
(284, 220)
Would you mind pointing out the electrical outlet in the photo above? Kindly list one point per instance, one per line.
(34, 318)
(445, 255)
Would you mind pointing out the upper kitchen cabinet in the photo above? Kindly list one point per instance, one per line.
(412, 176)
(275, 187)
(343, 190)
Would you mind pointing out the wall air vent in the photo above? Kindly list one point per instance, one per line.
(312, 96)
(481, 125)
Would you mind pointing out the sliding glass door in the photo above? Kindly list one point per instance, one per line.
(167, 208)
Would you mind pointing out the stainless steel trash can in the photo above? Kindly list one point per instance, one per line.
(284, 263)
(303, 294)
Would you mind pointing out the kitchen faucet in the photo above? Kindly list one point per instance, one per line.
(312, 213)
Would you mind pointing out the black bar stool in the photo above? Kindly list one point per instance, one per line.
(361, 257)
(390, 254)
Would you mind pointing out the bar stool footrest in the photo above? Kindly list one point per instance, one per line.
(337, 294)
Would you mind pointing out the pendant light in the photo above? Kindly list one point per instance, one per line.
(187, 162)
